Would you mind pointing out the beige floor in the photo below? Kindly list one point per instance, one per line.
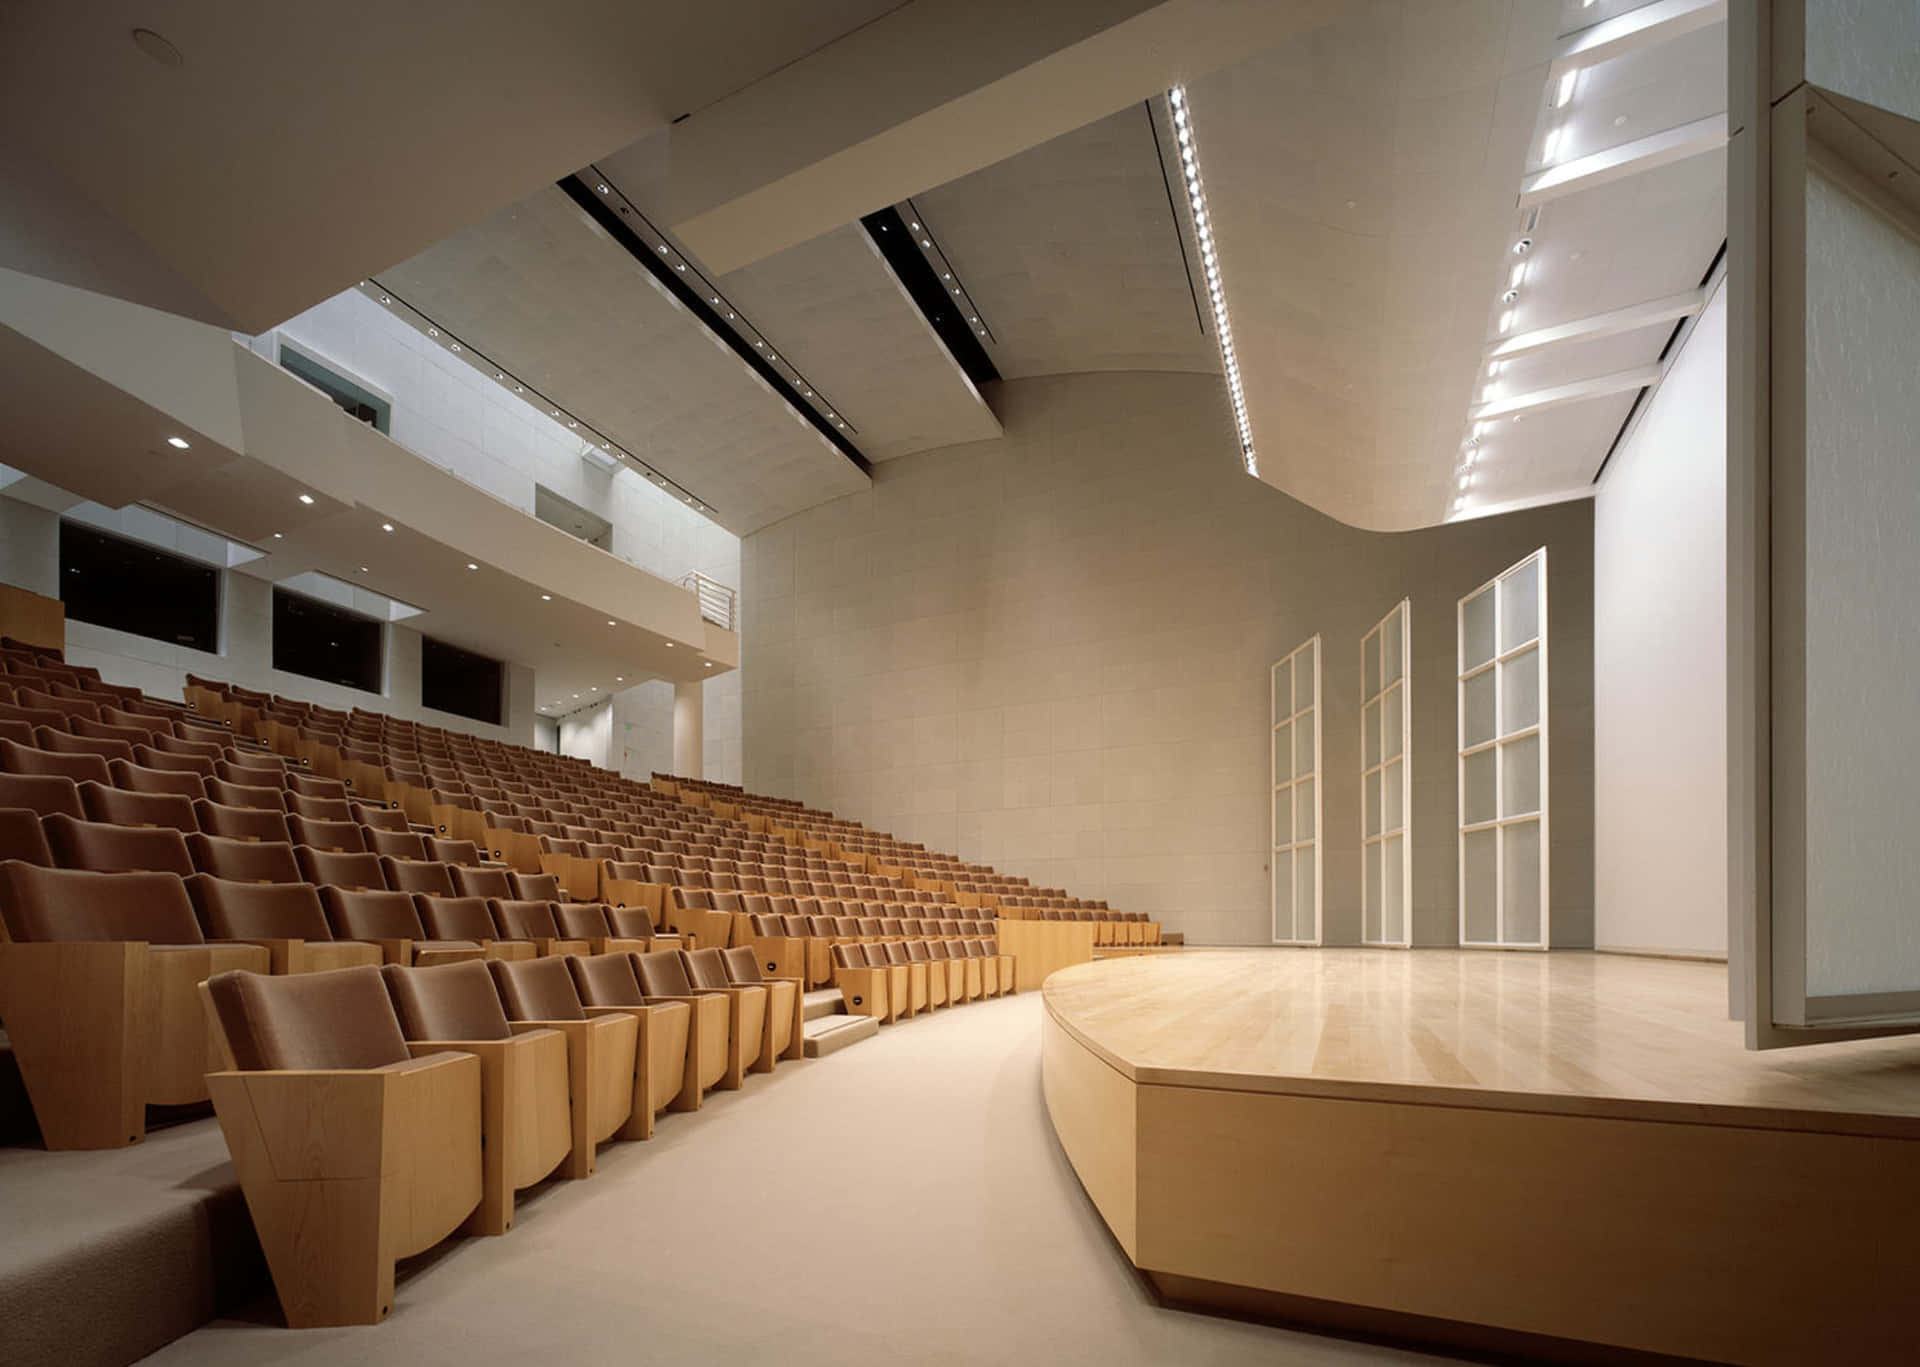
(901, 1202)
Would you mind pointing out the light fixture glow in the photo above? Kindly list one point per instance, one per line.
(1564, 95)
(472, 566)
(609, 621)
(1519, 275)
(178, 443)
(1551, 148)
(1216, 290)
(669, 645)
(546, 598)
(306, 498)
(278, 535)
(1523, 246)
(386, 526)
(1506, 320)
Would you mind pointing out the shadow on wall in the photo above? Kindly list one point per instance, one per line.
(1049, 653)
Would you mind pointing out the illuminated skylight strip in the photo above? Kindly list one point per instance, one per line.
(1209, 260)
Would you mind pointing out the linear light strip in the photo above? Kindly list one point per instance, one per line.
(1209, 260)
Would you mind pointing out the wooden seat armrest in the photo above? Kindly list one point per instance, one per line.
(396, 951)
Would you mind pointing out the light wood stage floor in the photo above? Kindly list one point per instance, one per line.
(1526, 1152)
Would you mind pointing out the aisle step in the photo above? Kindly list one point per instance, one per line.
(824, 1001)
(830, 1034)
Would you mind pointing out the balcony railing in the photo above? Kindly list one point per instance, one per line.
(717, 602)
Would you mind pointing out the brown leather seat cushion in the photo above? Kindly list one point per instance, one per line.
(450, 1002)
(116, 805)
(520, 920)
(258, 911)
(339, 1019)
(43, 794)
(341, 869)
(581, 920)
(630, 922)
(706, 968)
(240, 823)
(107, 848)
(30, 759)
(477, 882)
(343, 836)
(455, 918)
(370, 914)
(250, 861)
(412, 875)
(663, 973)
(47, 904)
(606, 980)
(543, 887)
(537, 989)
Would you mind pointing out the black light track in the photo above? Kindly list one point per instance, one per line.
(580, 192)
(911, 268)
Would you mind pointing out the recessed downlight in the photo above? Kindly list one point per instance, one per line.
(546, 598)
(306, 498)
(178, 443)
(386, 526)
(472, 566)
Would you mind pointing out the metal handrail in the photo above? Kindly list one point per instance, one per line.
(717, 601)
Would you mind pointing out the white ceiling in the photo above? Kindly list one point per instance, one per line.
(546, 293)
(297, 148)
(1072, 252)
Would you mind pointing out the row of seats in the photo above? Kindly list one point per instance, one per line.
(468, 1082)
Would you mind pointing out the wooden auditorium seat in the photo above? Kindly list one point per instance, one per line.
(756, 1010)
(246, 860)
(287, 919)
(863, 988)
(662, 975)
(97, 979)
(397, 1164)
(614, 980)
(391, 921)
(602, 1049)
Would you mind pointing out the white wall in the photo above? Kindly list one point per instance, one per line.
(1660, 665)
(447, 411)
(1050, 651)
(30, 559)
(587, 734)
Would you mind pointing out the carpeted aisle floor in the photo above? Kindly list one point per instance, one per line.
(903, 1201)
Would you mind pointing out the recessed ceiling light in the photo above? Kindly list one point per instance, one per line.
(603, 189)
(619, 678)
(363, 569)
(278, 535)
(306, 498)
(1509, 296)
(669, 645)
(386, 299)
(456, 346)
(433, 332)
(519, 389)
(179, 443)
(915, 227)
(386, 526)
(1619, 120)
(610, 621)
(708, 663)
(1523, 246)
(472, 566)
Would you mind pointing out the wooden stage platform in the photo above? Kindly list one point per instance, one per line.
(1564, 1154)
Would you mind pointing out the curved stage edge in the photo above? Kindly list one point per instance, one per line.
(1567, 1155)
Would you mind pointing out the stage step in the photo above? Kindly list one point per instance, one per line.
(830, 1034)
(824, 1001)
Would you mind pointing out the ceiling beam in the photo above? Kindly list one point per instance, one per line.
(930, 92)
(1598, 387)
(1628, 159)
(1634, 31)
(1611, 324)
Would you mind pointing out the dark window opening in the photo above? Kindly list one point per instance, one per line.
(368, 407)
(113, 582)
(319, 641)
(458, 681)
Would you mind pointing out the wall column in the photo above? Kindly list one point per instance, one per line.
(689, 708)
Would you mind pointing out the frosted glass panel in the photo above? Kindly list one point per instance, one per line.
(1370, 929)
(1520, 692)
(1283, 896)
(1394, 880)
(1370, 666)
(1303, 681)
(1393, 811)
(1478, 893)
(1476, 630)
(1282, 690)
(1282, 753)
(1370, 734)
(1520, 859)
(1372, 804)
(1390, 738)
(1282, 819)
(1303, 810)
(1476, 709)
(1520, 776)
(1390, 648)
(1478, 803)
(1520, 606)
(1303, 893)
(1303, 758)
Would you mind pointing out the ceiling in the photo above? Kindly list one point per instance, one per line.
(216, 187)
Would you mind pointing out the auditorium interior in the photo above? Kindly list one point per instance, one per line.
(950, 681)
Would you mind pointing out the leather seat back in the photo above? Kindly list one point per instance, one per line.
(447, 1002)
(103, 847)
(370, 914)
(537, 989)
(257, 911)
(335, 1020)
(455, 918)
(252, 861)
(49, 904)
(522, 920)
(416, 875)
(476, 882)
(606, 980)
(663, 974)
